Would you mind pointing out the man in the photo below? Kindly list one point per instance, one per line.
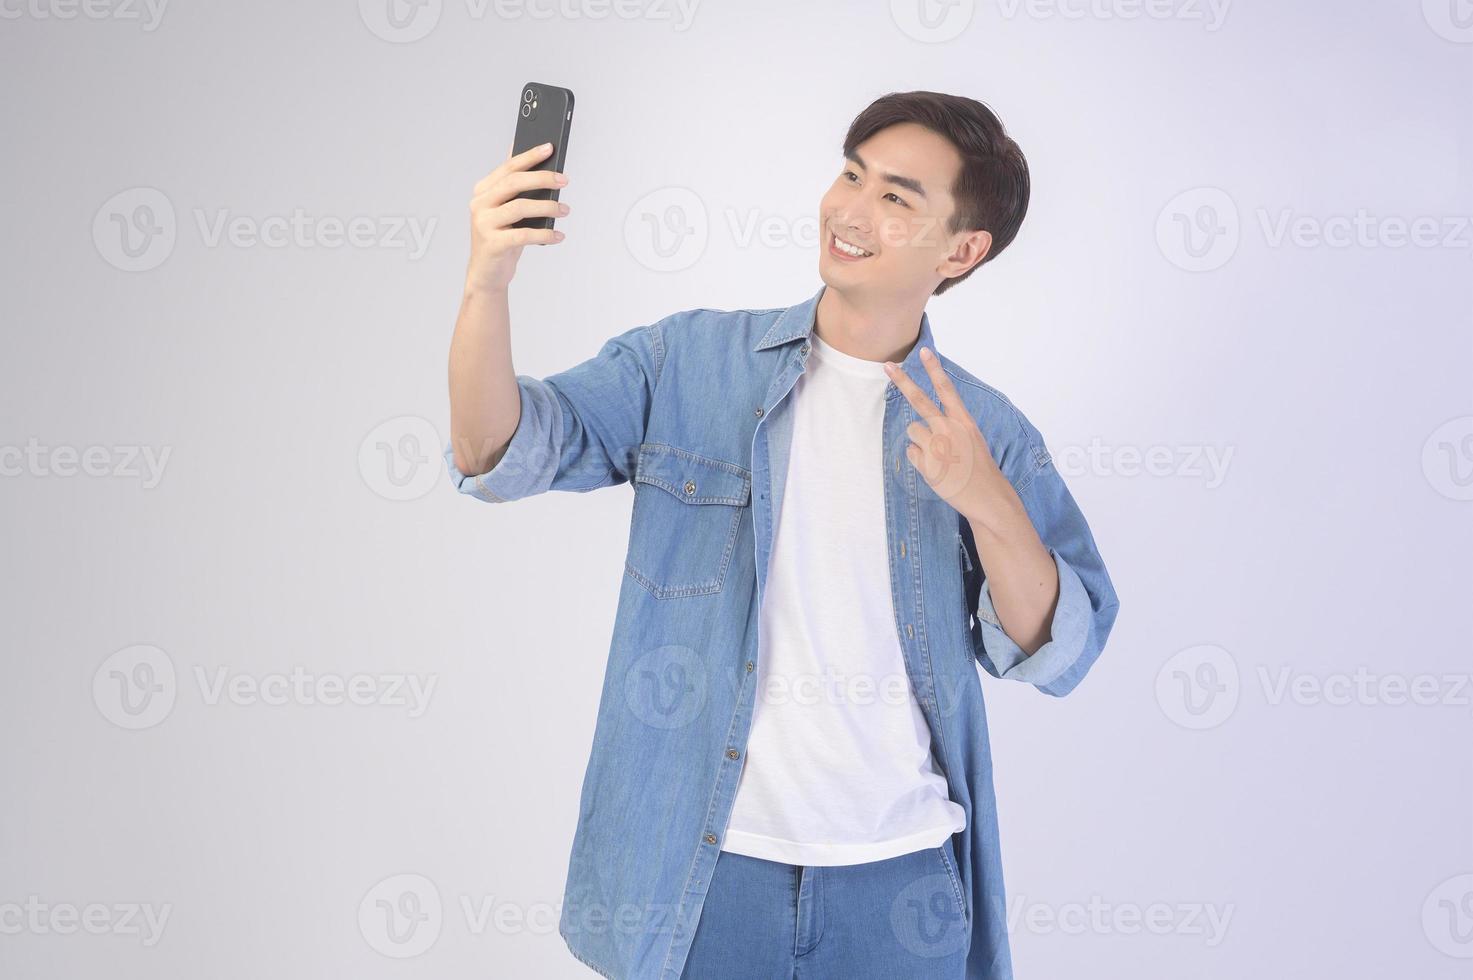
(791, 771)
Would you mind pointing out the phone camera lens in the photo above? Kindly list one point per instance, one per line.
(528, 95)
(526, 110)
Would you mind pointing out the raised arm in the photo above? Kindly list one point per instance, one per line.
(485, 407)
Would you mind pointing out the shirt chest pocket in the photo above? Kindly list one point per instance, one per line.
(687, 511)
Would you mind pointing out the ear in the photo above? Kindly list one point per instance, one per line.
(971, 247)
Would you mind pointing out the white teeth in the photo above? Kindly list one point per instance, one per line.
(848, 249)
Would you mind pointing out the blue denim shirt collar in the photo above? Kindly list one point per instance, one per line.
(796, 322)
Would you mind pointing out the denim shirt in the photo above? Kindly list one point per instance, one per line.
(693, 412)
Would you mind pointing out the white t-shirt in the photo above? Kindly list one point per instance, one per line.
(839, 767)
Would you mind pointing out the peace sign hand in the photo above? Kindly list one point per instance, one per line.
(948, 449)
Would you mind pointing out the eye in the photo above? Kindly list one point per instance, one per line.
(848, 174)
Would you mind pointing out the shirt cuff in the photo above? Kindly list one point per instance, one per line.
(527, 466)
(1068, 633)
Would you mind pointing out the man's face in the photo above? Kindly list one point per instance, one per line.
(892, 199)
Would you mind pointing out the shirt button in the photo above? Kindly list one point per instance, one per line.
(690, 486)
(710, 838)
(803, 349)
(758, 413)
(749, 666)
(731, 753)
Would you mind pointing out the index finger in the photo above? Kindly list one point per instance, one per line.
(523, 160)
(924, 406)
(945, 390)
(513, 164)
(528, 157)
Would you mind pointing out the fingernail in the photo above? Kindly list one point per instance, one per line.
(545, 146)
(926, 352)
(561, 180)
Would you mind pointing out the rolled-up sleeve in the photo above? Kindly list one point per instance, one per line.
(1087, 604)
(580, 429)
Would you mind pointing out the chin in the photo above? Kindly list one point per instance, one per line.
(836, 275)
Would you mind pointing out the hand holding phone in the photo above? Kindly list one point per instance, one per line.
(544, 115)
(515, 204)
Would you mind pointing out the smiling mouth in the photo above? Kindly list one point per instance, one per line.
(847, 249)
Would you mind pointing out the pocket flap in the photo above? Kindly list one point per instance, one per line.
(691, 477)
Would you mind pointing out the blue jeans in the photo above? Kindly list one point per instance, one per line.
(900, 917)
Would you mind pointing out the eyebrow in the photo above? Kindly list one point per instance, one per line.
(909, 183)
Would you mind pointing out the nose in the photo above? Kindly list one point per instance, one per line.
(852, 220)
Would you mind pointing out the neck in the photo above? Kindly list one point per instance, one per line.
(874, 333)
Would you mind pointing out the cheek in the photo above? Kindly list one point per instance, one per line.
(897, 234)
(922, 244)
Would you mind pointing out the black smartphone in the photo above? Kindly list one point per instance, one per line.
(544, 115)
